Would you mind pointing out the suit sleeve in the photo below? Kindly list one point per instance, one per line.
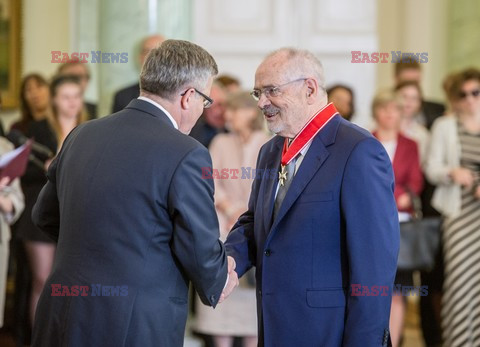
(195, 241)
(240, 243)
(372, 241)
(46, 212)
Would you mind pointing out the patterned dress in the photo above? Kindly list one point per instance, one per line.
(461, 237)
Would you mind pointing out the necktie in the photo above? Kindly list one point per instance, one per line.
(282, 189)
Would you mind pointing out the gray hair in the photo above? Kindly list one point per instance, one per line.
(302, 63)
(174, 65)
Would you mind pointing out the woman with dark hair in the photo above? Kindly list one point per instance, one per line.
(343, 99)
(40, 250)
(454, 166)
(34, 101)
(48, 115)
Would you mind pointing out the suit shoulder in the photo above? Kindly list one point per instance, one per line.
(353, 134)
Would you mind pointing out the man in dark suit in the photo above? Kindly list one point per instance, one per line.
(133, 218)
(127, 94)
(321, 225)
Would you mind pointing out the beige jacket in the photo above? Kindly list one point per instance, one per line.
(444, 155)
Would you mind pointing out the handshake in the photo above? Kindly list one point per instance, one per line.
(232, 281)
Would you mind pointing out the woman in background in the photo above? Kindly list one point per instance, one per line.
(66, 111)
(403, 152)
(40, 250)
(411, 96)
(454, 166)
(34, 101)
(68, 106)
(343, 99)
(237, 150)
(411, 126)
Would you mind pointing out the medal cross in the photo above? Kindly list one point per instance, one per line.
(282, 176)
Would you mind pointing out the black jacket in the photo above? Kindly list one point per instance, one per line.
(134, 221)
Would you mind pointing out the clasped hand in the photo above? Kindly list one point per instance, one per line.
(232, 280)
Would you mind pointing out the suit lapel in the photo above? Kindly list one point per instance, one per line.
(316, 156)
(270, 185)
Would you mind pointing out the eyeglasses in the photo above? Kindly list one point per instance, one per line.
(475, 93)
(271, 91)
(207, 102)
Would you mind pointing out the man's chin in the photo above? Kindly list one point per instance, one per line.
(275, 128)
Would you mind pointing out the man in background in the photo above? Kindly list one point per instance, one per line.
(127, 94)
(134, 220)
(212, 121)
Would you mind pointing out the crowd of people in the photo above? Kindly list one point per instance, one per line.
(434, 151)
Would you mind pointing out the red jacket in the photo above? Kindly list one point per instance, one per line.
(406, 168)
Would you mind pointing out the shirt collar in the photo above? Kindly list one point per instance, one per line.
(144, 98)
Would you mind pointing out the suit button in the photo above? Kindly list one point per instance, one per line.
(260, 292)
(212, 298)
(268, 253)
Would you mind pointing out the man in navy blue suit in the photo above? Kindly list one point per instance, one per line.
(321, 226)
(133, 218)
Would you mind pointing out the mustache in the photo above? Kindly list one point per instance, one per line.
(270, 110)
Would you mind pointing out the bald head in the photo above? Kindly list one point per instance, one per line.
(149, 43)
(290, 88)
(296, 63)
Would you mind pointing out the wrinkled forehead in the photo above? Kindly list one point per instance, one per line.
(273, 71)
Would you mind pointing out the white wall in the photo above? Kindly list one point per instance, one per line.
(44, 27)
(240, 33)
(415, 26)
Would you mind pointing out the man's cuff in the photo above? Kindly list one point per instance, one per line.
(225, 286)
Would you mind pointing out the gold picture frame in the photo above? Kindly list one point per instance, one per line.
(10, 52)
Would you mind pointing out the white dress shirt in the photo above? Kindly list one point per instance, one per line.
(156, 104)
